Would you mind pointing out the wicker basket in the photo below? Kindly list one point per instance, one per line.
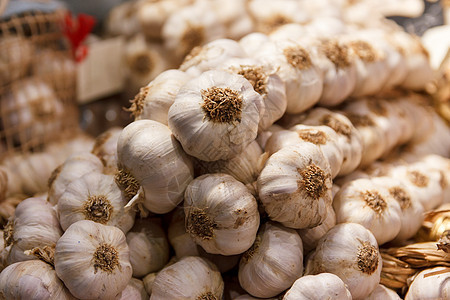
(37, 80)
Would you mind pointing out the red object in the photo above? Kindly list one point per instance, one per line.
(76, 30)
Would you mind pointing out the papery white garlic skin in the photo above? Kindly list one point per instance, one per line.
(235, 18)
(189, 27)
(121, 20)
(134, 290)
(179, 238)
(311, 236)
(382, 292)
(148, 280)
(32, 279)
(411, 209)
(295, 66)
(15, 57)
(216, 115)
(253, 42)
(190, 278)
(320, 286)
(273, 263)
(74, 167)
(209, 56)
(349, 138)
(105, 148)
(93, 260)
(364, 202)
(94, 197)
(149, 248)
(154, 100)
(35, 224)
(430, 283)
(245, 167)
(351, 252)
(295, 186)
(221, 214)
(266, 82)
(149, 153)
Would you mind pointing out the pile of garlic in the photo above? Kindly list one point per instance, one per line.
(161, 33)
(241, 177)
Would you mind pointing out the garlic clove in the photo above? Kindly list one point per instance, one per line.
(273, 263)
(295, 186)
(221, 214)
(190, 278)
(93, 260)
(320, 286)
(216, 115)
(148, 280)
(351, 252)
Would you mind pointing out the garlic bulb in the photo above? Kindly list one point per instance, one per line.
(121, 20)
(154, 100)
(93, 260)
(209, 56)
(349, 251)
(371, 66)
(423, 181)
(57, 68)
(94, 197)
(233, 15)
(322, 136)
(273, 263)
(153, 14)
(35, 111)
(264, 136)
(295, 186)
(16, 54)
(149, 248)
(184, 245)
(73, 168)
(190, 278)
(349, 138)
(320, 286)
(253, 42)
(148, 280)
(268, 15)
(32, 279)
(134, 290)
(143, 61)
(189, 27)
(297, 69)
(216, 115)
(105, 148)
(382, 292)
(311, 236)
(221, 214)
(245, 167)
(365, 202)
(35, 224)
(339, 71)
(179, 238)
(150, 157)
(430, 284)
(411, 209)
